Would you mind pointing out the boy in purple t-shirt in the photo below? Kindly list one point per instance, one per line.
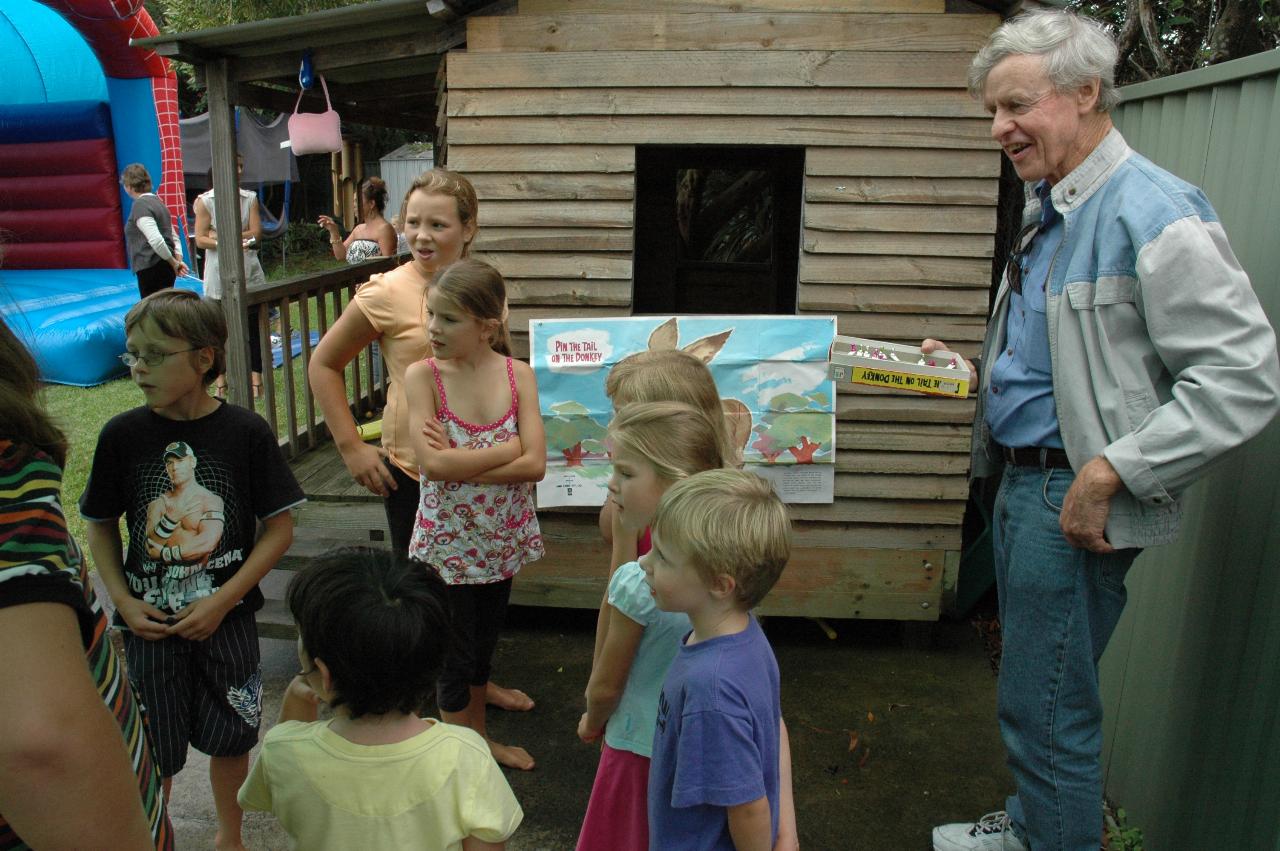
(720, 541)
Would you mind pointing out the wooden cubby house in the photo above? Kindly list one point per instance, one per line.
(575, 119)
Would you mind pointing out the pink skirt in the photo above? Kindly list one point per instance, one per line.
(618, 812)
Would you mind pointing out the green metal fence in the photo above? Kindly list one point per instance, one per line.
(1191, 680)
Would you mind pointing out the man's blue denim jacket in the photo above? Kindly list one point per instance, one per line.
(1162, 357)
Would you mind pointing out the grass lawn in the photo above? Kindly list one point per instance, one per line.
(82, 411)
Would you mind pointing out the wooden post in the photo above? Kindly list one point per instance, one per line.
(226, 202)
(335, 178)
(345, 178)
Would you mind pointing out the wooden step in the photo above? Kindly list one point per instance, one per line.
(274, 621)
(310, 542)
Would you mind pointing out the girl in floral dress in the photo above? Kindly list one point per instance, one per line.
(480, 453)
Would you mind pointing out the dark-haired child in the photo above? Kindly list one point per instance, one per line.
(372, 635)
(195, 479)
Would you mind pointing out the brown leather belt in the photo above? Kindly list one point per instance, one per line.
(1035, 456)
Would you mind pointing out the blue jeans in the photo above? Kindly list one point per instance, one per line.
(1058, 608)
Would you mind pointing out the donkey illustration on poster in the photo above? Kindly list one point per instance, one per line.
(736, 414)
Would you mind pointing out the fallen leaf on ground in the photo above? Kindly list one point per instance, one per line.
(871, 717)
(893, 706)
(866, 754)
(853, 740)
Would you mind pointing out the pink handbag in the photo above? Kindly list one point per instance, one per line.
(315, 132)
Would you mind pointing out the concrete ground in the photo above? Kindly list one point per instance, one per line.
(888, 737)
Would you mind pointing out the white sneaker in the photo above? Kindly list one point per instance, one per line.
(989, 833)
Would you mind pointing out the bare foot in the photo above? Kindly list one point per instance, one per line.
(238, 845)
(510, 699)
(511, 756)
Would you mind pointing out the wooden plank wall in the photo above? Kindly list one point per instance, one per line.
(545, 109)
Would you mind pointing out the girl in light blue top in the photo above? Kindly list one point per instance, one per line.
(653, 445)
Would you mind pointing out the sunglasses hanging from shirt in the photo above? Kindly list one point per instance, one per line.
(1022, 247)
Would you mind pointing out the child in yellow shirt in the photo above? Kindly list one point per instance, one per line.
(372, 631)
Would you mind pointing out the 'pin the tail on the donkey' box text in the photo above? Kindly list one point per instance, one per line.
(879, 364)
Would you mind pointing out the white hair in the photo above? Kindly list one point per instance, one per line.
(1074, 49)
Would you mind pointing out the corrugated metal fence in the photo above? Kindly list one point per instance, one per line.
(1191, 680)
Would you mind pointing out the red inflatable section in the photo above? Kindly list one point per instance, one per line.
(107, 26)
(71, 216)
(173, 186)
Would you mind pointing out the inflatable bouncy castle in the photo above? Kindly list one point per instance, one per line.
(76, 106)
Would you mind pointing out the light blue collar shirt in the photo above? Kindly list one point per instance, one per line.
(1020, 408)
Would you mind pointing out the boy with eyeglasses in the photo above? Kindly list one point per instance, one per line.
(195, 479)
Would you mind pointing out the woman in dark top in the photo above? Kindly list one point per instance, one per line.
(153, 243)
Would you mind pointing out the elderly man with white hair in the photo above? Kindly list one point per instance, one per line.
(1126, 352)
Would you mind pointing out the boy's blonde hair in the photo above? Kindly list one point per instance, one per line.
(728, 522)
(669, 375)
(183, 315)
(677, 439)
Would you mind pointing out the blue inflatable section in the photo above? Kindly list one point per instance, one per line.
(64, 121)
(73, 320)
(45, 59)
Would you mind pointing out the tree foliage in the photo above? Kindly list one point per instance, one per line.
(1162, 37)
(179, 16)
(187, 15)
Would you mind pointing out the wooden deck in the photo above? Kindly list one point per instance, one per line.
(821, 580)
(340, 513)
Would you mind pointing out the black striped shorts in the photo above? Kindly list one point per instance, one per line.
(207, 694)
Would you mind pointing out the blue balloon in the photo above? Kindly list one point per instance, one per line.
(306, 73)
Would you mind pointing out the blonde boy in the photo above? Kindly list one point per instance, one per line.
(720, 541)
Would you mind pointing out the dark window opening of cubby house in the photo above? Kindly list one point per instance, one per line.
(717, 229)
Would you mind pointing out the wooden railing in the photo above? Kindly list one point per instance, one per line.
(306, 304)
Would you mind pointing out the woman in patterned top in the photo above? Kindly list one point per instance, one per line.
(373, 236)
(78, 767)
